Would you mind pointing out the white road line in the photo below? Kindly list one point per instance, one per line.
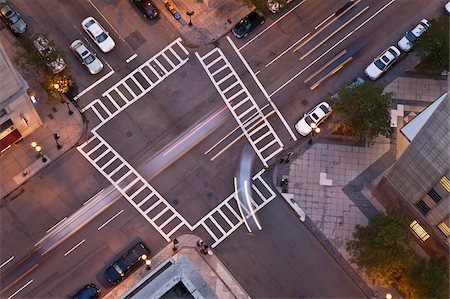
(288, 49)
(321, 23)
(109, 220)
(93, 197)
(331, 48)
(4, 263)
(268, 27)
(23, 287)
(74, 247)
(131, 58)
(262, 89)
(94, 84)
(54, 226)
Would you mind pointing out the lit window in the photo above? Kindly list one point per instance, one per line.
(420, 232)
(445, 182)
(444, 228)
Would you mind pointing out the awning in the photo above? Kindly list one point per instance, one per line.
(10, 139)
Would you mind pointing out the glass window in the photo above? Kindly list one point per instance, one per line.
(419, 231)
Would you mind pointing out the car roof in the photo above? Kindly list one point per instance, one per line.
(94, 27)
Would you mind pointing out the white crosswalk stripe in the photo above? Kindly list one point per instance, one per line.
(228, 214)
(242, 105)
(144, 198)
(139, 82)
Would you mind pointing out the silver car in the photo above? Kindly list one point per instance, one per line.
(13, 19)
(89, 59)
(48, 53)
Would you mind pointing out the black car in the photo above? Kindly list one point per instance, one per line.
(126, 264)
(247, 24)
(147, 8)
(87, 292)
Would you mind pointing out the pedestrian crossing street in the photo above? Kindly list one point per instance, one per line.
(225, 218)
(242, 105)
(139, 82)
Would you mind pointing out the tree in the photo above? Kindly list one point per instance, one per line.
(428, 279)
(363, 111)
(382, 248)
(433, 47)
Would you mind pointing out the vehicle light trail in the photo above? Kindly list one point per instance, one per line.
(250, 206)
(239, 204)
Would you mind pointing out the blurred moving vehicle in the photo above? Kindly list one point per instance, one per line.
(147, 8)
(274, 6)
(247, 24)
(313, 118)
(87, 292)
(355, 83)
(382, 63)
(98, 34)
(52, 59)
(127, 263)
(12, 19)
(406, 43)
(89, 59)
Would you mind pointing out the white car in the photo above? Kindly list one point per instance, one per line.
(447, 8)
(382, 63)
(406, 43)
(48, 53)
(93, 64)
(313, 118)
(98, 34)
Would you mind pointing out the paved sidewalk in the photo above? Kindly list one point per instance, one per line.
(210, 268)
(211, 20)
(331, 180)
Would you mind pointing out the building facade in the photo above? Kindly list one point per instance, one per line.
(18, 117)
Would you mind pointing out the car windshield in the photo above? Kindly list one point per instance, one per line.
(410, 36)
(308, 120)
(324, 109)
(118, 269)
(379, 64)
(89, 59)
(13, 18)
(102, 37)
(89, 23)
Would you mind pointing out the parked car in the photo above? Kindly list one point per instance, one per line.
(13, 19)
(87, 292)
(89, 59)
(382, 63)
(355, 83)
(313, 118)
(147, 8)
(52, 59)
(406, 43)
(98, 34)
(126, 264)
(248, 23)
(447, 8)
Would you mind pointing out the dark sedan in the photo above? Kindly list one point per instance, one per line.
(247, 24)
(87, 292)
(147, 8)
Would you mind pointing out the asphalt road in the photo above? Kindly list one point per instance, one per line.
(191, 182)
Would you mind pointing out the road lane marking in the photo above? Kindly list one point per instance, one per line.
(288, 49)
(321, 23)
(104, 18)
(54, 226)
(268, 27)
(326, 26)
(109, 220)
(4, 263)
(131, 58)
(333, 33)
(74, 247)
(331, 48)
(23, 287)
(274, 107)
(94, 84)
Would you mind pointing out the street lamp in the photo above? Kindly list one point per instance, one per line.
(388, 296)
(314, 129)
(38, 149)
(148, 264)
(56, 86)
(190, 14)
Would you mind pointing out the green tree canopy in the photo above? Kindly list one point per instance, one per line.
(433, 47)
(428, 279)
(382, 248)
(364, 111)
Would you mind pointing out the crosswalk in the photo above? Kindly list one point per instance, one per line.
(242, 105)
(139, 82)
(225, 218)
(144, 198)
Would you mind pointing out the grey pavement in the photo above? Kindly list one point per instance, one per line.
(211, 20)
(210, 268)
(331, 181)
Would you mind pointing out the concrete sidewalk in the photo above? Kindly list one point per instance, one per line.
(210, 268)
(331, 180)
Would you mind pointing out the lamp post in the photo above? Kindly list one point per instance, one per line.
(190, 14)
(56, 86)
(38, 149)
(148, 264)
(388, 296)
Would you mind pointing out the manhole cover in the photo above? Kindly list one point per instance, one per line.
(210, 194)
(129, 134)
(175, 202)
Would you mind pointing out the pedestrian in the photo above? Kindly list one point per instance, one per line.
(200, 243)
(205, 249)
(175, 243)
